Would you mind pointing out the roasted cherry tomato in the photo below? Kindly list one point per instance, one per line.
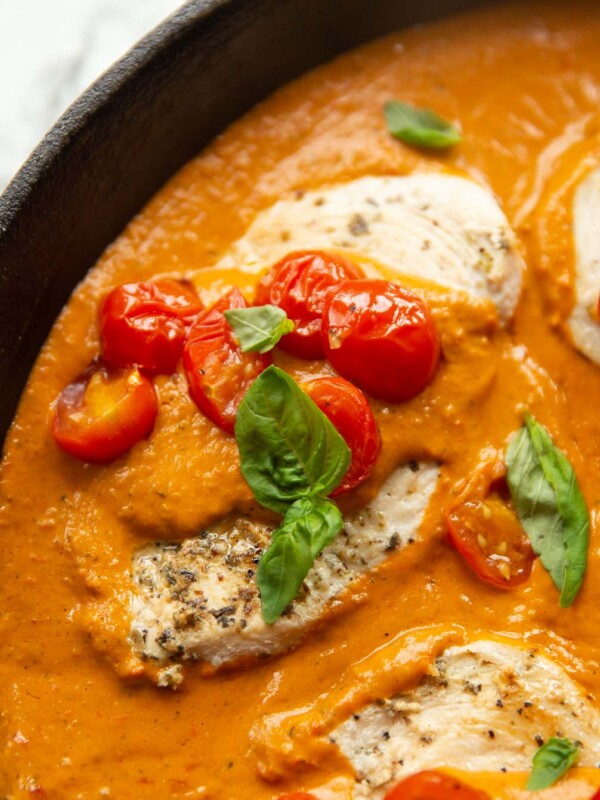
(596, 796)
(103, 413)
(349, 411)
(298, 796)
(381, 337)
(217, 371)
(145, 324)
(485, 530)
(432, 785)
(299, 284)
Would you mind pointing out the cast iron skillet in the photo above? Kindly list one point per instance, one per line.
(157, 107)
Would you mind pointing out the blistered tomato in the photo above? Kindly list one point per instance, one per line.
(103, 413)
(299, 284)
(381, 337)
(485, 530)
(297, 796)
(145, 324)
(349, 411)
(432, 785)
(217, 371)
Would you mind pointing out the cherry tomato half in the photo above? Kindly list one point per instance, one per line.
(217, 371)
(299, 284)
(349, 411)
(144, 324)
(432, 785)
(103, 413)
(382, 337)
(486, 532)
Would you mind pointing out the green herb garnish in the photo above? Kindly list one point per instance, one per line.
(288, 447)
(309, 525)
(292, 457)
(259, 328)
(551, 762)
(550, 506)
(421, 127)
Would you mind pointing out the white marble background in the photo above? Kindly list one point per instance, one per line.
(50, 50)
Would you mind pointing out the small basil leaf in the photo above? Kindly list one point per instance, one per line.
(288, 447)
(550, 505)
(259, 328)
(308, 526)
(551, 762)
(419, 126)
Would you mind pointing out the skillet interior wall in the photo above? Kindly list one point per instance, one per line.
(138, 124)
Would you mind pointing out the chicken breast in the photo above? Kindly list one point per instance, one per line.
(439, 227)
(484, 706)
(198, 599)
(583, 322)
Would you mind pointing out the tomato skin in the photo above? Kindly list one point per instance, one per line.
(349, 411)
(381, 337)
(103, 413)
(217, 371)
(475, 513)
(299, 284)
(298, 796)
(432, 785)
(145, 324)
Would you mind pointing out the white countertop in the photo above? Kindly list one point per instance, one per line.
(50, 50)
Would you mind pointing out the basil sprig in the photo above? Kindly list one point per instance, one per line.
(421, 127)
(551, 762)
(259, 328)
(288, 447)
(550, 505)
(309, 525)
(292, 457)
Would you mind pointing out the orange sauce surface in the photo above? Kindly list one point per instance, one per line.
(79, 717)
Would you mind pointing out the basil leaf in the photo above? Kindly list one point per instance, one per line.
(259, 328)
(308, 526)
(419, 126)
(571, 506)
(550, 505)
(535, 503)
(551, 762)
(288, 447)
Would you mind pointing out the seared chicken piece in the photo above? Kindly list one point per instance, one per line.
(583, 323)
(485, 706)
(198, 599)
(439, 227)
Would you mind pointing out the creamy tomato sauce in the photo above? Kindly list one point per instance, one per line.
(81, 719)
